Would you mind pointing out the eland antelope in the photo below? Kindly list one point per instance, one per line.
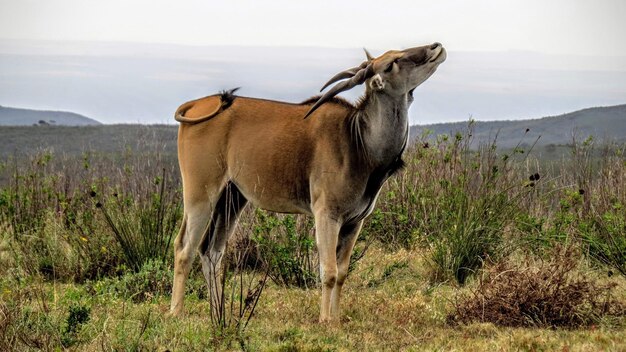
(323, 157)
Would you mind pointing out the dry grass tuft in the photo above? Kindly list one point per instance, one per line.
(549, 294)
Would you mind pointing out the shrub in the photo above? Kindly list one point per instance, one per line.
(48, 223)
(286, 248)
(584, 205)
(461, 201)
(551, 294)
(470, 231)
(25, 205)
(152, 280)
(78, 315)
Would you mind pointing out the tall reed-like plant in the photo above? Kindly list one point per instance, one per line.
(143, 219)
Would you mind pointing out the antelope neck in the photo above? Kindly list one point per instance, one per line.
(383, 126)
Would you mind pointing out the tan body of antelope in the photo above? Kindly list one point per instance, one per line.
(332, 164)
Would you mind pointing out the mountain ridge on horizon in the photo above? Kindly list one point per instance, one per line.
(12, 116)
(604, 123)
(601, 122)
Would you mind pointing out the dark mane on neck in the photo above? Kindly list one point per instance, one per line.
(362, 101)
(334, 100)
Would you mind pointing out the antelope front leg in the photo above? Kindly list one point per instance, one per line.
(326, 233)
(347, 238)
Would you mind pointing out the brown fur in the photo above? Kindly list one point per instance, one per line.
(330, 165)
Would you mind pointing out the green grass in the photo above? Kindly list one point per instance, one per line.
(383, 309)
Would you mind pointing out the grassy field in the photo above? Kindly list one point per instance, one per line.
(466, 250)
(382, 311)
(24, 141)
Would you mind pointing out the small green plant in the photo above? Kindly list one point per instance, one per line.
(286, 248)
(154, 279)
(77, 317)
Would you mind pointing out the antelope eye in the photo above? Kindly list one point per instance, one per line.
(390, 67)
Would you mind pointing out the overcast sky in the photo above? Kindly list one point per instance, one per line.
(113, 60)
(549, 26)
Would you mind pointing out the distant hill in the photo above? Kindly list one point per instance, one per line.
(603, 123)
(27, 117)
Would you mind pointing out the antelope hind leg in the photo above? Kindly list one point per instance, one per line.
(223, 224)
(195, 222)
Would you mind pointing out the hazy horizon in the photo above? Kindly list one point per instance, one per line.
(116, 82)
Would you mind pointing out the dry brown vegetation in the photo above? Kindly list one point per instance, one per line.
(539, 293)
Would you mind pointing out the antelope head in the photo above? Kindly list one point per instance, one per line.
(396, 72)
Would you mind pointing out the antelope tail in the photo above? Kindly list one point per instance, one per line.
(226, 99)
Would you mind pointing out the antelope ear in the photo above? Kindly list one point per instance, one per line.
(377, 83)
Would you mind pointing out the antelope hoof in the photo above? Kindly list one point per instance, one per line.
(174, 313)
(328, 320)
